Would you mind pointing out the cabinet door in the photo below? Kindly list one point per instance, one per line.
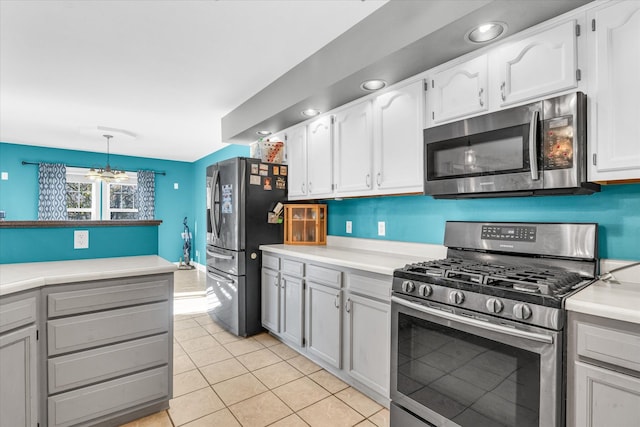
(296, 143)
(460, 91)
(270, 307)
(399, 123)
(18, 373)
(368, 338)
(538, 65)
(292, 309)
(605, 398)
(352, 130)
(614, 64)
(324, 323)
(319, 155)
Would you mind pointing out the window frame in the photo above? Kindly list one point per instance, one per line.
(78, 175)
(107, 210)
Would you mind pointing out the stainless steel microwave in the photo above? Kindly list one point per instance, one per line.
(534, 149)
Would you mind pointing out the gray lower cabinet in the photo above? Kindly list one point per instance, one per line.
(19, 360)
(603, 372)
(109, 350)
(338, 317)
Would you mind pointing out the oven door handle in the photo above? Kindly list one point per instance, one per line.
(548, 339)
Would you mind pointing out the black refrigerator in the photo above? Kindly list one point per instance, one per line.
(241, 192)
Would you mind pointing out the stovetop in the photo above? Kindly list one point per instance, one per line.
(518, 278)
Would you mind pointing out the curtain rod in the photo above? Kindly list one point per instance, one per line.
(88, 167)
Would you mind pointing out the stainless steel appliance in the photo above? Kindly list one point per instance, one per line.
(478, 337)
(241, 193)
(533, 149)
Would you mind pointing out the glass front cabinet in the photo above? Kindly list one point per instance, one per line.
(305, 224)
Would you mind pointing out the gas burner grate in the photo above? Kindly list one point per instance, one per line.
(516, 277)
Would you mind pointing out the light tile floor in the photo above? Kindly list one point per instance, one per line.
(226, 381)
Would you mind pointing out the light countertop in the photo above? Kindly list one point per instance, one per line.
(380, 257)
(25, 276)
(620, 301)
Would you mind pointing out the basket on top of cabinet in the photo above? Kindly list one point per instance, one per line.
(305, 224)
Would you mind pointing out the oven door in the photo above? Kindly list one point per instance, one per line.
(452, 369)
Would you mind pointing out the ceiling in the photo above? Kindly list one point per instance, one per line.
(173, 79)
(165, 72)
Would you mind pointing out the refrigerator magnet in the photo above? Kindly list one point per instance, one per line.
(255, 180)
(254, 169)
(276, 170)
(281, 184)
(267, 183)
(283, 170)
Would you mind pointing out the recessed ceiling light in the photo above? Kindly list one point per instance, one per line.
(374, 84)
(310, 112)
(486, 32)
(263, 132)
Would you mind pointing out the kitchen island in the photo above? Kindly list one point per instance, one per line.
(85, 342)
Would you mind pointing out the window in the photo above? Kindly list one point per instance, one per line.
(119, 201)
(92, 200)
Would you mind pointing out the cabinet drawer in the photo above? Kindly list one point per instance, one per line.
(294, 268)
(610, 346)
(88, 403)
(17, 313)
(104, 363)
(324, 275)
(106, 297)
(92, 330)
(370, 285)
(270, 261)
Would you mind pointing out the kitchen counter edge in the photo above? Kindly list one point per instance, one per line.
(25, 276)
(372, 261)
(619, 301)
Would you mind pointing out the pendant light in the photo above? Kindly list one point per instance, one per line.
(107, 174)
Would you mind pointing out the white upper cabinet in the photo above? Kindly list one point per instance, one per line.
(398, 126)
(460, 90)
(536, 66)
(319, 155)
(352, 131)
(296, 147)
(614, 70)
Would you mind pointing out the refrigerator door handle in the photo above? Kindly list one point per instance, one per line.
(215, 210)
(219, 256)
(219, 278)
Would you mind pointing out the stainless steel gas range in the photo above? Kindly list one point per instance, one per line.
(478, 337)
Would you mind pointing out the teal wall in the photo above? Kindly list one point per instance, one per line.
(56, 244)
(408, 218)
(421, 218)
(200, 192)
(19, 198)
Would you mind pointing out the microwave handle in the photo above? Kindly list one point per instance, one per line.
(533, 153)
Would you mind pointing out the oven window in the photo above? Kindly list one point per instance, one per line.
(489, 153)
(470, 380)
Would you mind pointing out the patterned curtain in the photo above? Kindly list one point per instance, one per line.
(146, 194)
(52, 200)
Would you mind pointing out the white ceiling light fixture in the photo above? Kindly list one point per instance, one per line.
(372, 85)
(107, 174)
(486, 32)
(310, 112)
(264, 132)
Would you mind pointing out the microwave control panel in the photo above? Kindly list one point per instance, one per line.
(558, 143)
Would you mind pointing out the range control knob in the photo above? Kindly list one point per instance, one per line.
(521, 311)
(456, 297)
(494, 305)
(425, 290)
(408, 286)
